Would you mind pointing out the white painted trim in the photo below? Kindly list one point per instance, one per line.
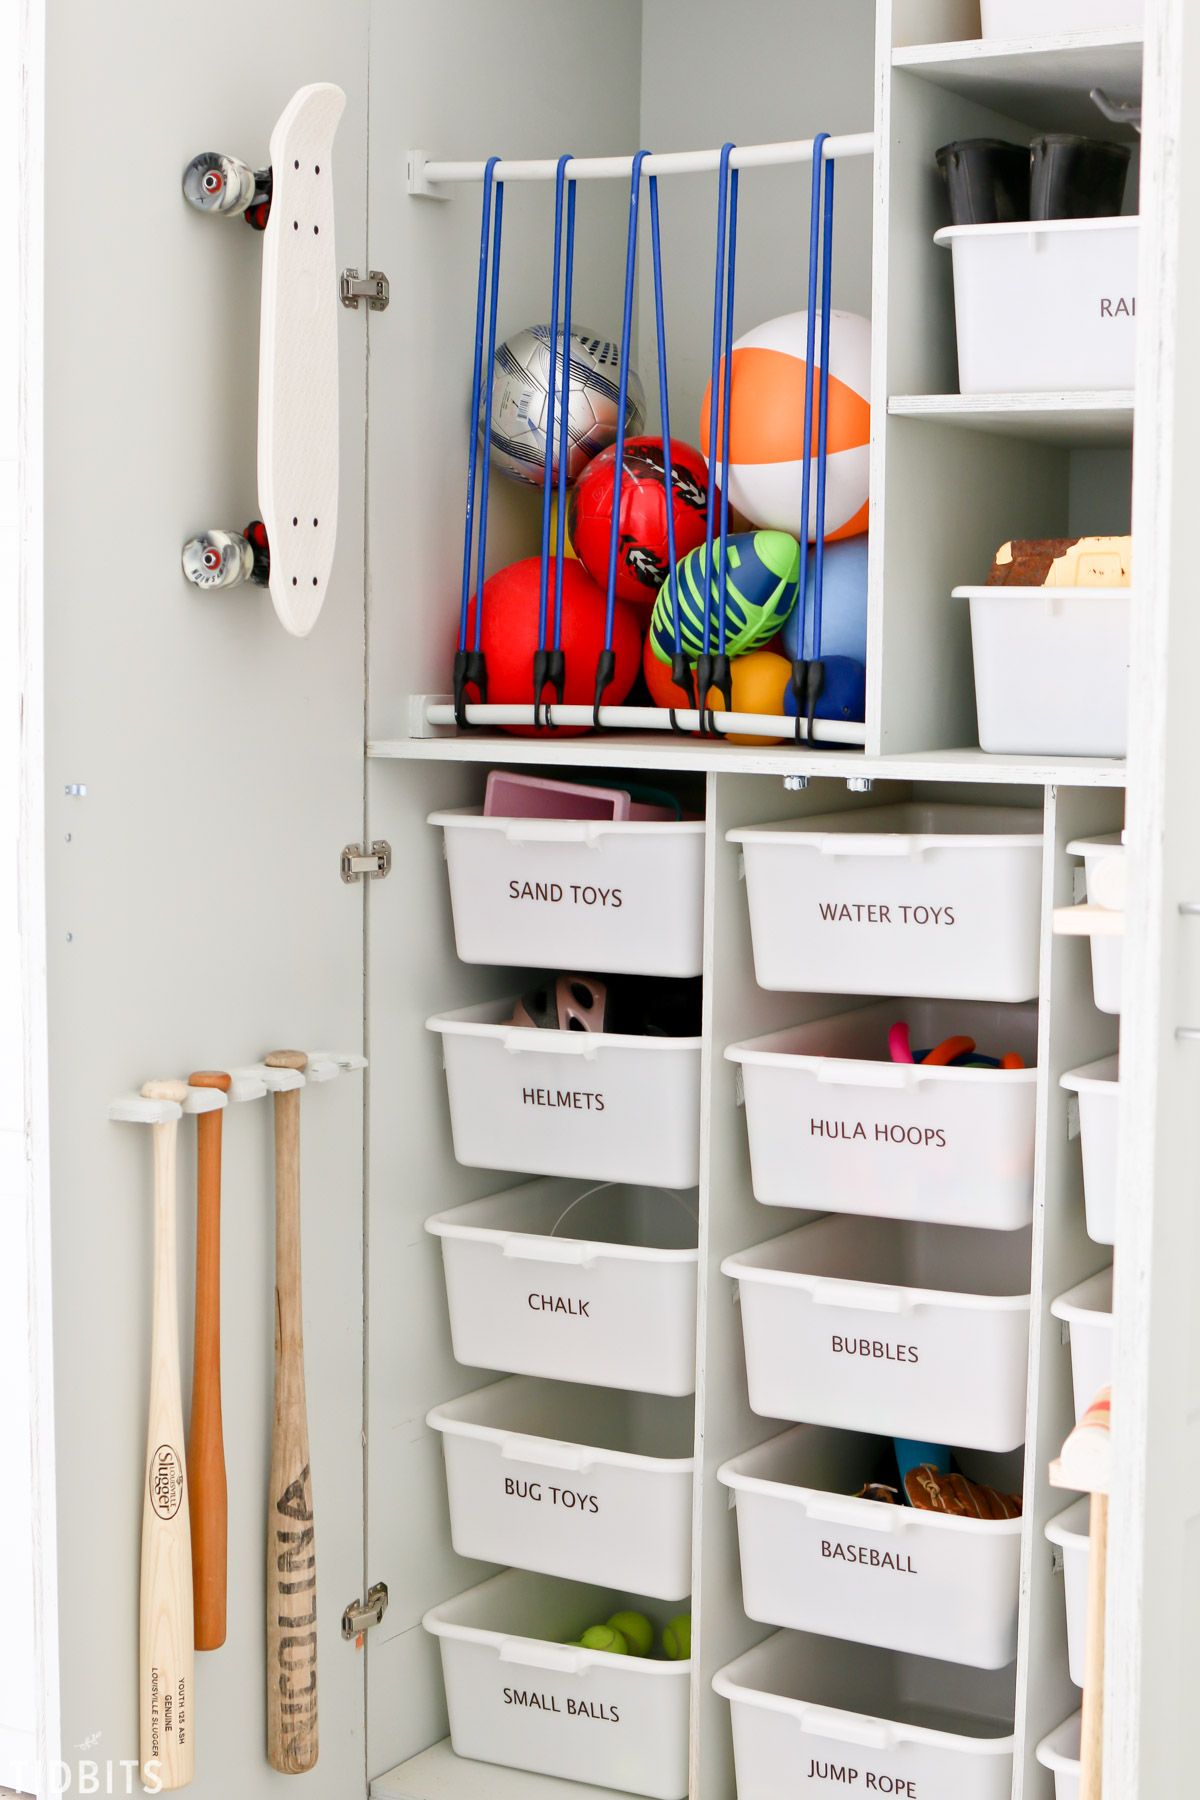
(32, 890)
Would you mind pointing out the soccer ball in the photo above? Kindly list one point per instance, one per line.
(521, 393)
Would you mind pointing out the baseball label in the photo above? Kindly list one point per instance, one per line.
(867, 1556)
(166, 1481)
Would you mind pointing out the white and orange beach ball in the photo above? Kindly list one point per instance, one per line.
(767, 435)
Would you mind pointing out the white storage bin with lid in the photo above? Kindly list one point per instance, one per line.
(1058, 18)
(1051, 669)
(607, 1105)
(519, 1692)
(587, 1483)
(815, 1717)
(1104, 885)
(1087, 1312)
(575, 1281)
(1097, 1088)
(615, 896)
(835, 1126)
(918, 1331)
(1069, 1532)
(816, 1558)
(1045, 306)
(917, 898)
(1060, 1753)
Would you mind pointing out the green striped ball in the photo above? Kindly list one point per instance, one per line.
(761, 586)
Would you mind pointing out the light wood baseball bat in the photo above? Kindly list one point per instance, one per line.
(1091, 1749)
(167, 1727)
(292, 1740)
(207, 1489)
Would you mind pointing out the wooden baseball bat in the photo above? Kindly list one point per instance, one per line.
(167, 1728)
(292, 1741)
(1091, 1750)
(207, 1490)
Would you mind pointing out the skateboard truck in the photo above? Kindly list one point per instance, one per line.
(213, 183)
(224, 559)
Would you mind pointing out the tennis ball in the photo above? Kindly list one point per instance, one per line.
(637, 1631)
(677, 1637)
(603, 1637)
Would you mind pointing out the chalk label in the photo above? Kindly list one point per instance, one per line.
(560, 1303)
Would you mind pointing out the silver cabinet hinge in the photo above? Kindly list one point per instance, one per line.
(361, 1615)
(358, 861)
(376, 290)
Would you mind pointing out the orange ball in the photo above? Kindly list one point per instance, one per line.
(760, 680)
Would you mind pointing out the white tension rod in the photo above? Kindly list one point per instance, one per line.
(426, 176)
(653, 718)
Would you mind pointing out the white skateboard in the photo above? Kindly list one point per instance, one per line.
(291, 548)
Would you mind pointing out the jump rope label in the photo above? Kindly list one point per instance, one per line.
(882, 912)
(574, 893)
(867, 1556)
(853, 1131)
(866, 1780)
(565, 1705)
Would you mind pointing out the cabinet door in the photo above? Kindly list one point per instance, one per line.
(1154, 1563)
(195, 915)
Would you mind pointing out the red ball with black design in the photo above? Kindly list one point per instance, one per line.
(642, 562)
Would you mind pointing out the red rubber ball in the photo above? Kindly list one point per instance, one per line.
(642, 555)
(510, 637)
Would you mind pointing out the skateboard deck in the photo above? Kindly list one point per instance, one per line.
(292, 548)
(298, 365)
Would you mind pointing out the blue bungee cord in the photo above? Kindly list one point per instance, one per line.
(541, 656)
(556, 668)
(715, 671)
(681, 673)
(808, 674)
(607, 662)
(470, 666)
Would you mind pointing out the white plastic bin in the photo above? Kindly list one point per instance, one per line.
(1058, 18)
(1045, 306)
(574, 1481)
(602, 1104)
(918, 1331)
(916, 898)
(576, 1282)
(1087, 1311)
(1051, 669)
(1060, 1752)
(816, 1558)
(615, 896)
(837, 1127)
(1097, 1086)
(1104, 868)
(812, 1717)
(520, 1694)
(1069, 1531)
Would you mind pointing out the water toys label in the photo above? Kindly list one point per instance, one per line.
(865, 1780)
(575, 1099)
(573, 893)
(851, 1131)
(874, 1347)
(867, 1556)
(557, 1303)
(565, 1705)
(538, 1493)
(881, 912)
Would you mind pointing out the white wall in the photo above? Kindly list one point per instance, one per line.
(17, 1707)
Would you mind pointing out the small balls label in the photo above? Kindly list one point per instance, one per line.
(882, 912)
(601, 1711)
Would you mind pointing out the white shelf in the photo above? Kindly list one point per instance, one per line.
(1042, 82)
(438, 1774)
(1071, 420)
(615, 750)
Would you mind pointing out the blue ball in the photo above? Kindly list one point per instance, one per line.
(843, 603)
(843, 694)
